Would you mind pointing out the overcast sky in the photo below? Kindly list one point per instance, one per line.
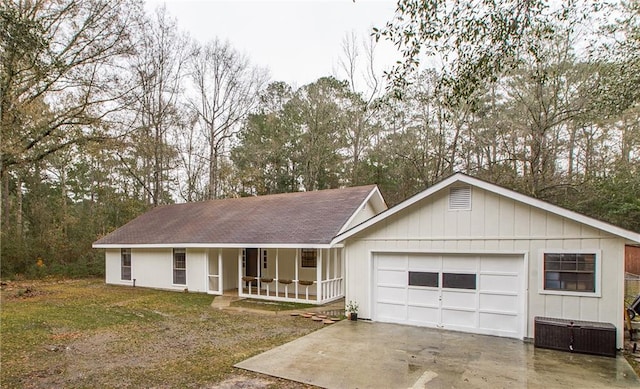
(298, 41)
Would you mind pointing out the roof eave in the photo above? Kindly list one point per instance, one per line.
(373, 192)
(214, 245)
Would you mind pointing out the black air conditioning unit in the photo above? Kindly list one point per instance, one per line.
(587, 337)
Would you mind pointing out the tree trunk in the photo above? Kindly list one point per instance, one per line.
(6, 219)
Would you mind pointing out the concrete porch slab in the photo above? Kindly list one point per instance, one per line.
(377, 355)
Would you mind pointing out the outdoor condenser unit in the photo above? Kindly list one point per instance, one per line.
(586, 337)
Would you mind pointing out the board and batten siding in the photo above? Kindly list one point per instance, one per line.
(495, 224)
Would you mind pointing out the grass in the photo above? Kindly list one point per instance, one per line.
(83, 333)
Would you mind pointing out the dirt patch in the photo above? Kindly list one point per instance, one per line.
(87, 334)
(25, 292)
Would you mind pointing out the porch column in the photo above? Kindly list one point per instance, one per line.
(296, 272)
(328, 267)
(277, 272)
(319, 276)
(220, 287)
(335, 272)
(240, 272)
(327, 276)
(259, 267)
(343, 266)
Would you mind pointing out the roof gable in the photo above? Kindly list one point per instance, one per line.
(459, 178)
(302, 218)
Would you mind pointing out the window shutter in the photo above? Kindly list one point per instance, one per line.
(460, 198)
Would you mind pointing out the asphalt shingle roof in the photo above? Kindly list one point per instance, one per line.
(289, 218)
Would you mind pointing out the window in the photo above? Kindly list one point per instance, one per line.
(419, 278)
(179, 266)
(570, 272)
(458, 281)
(309, 257)
(125, 264)
(264, 258)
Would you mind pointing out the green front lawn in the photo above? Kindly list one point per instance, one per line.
(83, 333)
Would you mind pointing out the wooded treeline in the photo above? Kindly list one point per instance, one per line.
(106, 111)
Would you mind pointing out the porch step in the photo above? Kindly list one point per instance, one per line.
(222, 302)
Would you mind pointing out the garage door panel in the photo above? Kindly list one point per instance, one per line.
(423, 296)
(499, 302)
(498, 322)
(458, 318)
(459, 299)
(423, 315)
(392, 294)
(499, 282)
(392, 277)
(509, 264)
(420, 262)
(394, 313)
(459, 264)
(391, 261)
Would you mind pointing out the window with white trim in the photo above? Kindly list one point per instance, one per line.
(570, 272)
(180, 266)
(309, 257)
(125, 264)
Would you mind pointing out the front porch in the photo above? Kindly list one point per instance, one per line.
(304, 275)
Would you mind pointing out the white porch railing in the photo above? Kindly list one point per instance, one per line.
(329, 290)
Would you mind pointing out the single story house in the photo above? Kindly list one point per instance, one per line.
(275, 247)
(464, 255)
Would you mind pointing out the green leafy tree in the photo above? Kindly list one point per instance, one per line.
(474, 41)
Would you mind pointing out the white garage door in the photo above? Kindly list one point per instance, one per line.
(472, 293)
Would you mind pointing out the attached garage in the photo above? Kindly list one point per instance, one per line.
(471, 256)
(479, 293)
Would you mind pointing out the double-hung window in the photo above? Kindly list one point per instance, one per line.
(180, 266)
(570, 272)
(125, 264)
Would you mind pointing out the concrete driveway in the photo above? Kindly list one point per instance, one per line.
(377, 355)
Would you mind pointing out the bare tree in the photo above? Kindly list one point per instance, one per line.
(59, 77)
(158, 70)
(59, 66)
(226, 88)
(360, 105)
(192, 165)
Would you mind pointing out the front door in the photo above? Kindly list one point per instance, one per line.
(252, 264)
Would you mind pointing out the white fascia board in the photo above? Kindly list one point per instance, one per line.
(373, 192)
(459, 177)
(217, 245)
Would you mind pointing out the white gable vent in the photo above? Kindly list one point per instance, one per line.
(460, 198)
